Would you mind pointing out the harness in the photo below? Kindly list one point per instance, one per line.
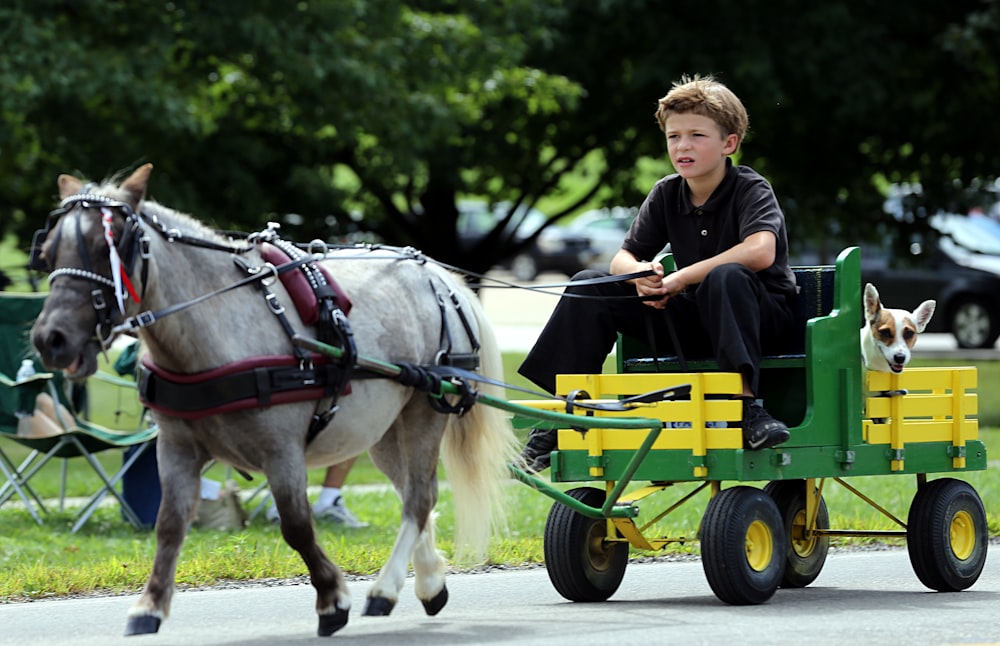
(254, 382)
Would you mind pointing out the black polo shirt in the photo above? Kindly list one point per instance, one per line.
(743, 204)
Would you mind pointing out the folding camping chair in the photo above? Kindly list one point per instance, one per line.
(39, 413)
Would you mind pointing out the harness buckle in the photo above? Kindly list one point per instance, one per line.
(97, 297)
(269, 267)
(272, 301)
(144, 251)
(318, 248)
(144, 319)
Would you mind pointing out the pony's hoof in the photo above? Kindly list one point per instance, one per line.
(329, 624)
(142, 625)
(378, 607)
(433, 606)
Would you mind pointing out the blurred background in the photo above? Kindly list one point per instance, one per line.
(502, 133)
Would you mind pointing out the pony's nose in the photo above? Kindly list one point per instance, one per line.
(51, 345)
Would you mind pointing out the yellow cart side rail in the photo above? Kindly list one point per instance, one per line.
(922, 405)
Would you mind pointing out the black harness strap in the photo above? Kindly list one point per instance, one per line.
(332, 326)
(250, 387)
(445, 357)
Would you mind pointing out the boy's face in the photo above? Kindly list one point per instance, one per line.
(696, 146)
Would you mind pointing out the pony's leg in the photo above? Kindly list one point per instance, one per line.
(288, 487)
(429, 568)
(408, 454)
(180, 472)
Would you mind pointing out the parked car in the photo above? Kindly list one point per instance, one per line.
(606, 229)
(555, 248)
(958, 266)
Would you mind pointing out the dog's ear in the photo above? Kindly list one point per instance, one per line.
(922, 315)
(872, 302)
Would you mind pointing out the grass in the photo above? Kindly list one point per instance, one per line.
(107, 555)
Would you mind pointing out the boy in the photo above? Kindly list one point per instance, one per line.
(732, 294)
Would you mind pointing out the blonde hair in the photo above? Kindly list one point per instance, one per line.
(705, 96)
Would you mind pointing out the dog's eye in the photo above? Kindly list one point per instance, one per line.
(885, 334)
(908, 334)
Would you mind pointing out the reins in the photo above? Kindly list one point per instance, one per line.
(446, 375)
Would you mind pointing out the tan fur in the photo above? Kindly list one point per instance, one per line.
(890, 334)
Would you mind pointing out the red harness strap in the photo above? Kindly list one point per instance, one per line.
(254, 382)
(299, 289)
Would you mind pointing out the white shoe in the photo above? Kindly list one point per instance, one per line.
(339, 514)
(272, 514)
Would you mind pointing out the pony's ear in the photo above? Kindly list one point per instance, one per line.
(135, 185)
(69, 185)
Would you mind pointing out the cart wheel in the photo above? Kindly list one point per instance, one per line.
(582, 565)
(806, 556)
(743, 545)
(946, 535)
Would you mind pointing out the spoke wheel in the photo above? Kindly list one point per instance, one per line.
(974, 325)
(743, 545)
(524, 268)
(805, 556)
(582, 563)
(946, 535)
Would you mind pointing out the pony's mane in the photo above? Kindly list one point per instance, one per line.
(183, 222)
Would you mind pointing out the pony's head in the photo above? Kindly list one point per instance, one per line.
(89, 245)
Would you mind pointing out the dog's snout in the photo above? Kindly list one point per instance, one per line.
(899, 357)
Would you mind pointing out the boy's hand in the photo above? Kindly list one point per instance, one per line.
(655, 285)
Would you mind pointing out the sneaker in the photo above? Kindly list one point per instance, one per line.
(271, 514)
(339, 514)
(535, 457)
(760, 430)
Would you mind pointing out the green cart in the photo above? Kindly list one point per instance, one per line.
(633, 434)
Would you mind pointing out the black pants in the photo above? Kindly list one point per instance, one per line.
(730, 317)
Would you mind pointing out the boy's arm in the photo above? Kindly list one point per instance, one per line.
(756, 252)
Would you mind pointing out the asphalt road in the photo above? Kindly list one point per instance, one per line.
(860, 598)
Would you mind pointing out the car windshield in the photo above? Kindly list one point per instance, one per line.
(976, 234)
(476, 219)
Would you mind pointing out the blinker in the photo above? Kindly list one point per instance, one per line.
(35, 260)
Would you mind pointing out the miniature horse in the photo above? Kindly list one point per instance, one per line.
(207, 302)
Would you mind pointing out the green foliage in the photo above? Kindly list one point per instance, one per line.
(342, 116)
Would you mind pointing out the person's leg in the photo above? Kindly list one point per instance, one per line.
(581, 331)
(738, 312)
(576, 339)
(336, 475)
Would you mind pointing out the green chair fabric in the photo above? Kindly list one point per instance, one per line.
(79, 439)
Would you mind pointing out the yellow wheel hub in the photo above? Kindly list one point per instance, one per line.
(801, 545)
(962, 535)
(598, 554)
(759, 545)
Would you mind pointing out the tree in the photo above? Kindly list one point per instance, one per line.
(381, 115)
(250, 115)
(839, 94)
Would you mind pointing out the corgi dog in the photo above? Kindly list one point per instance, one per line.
(889, 334)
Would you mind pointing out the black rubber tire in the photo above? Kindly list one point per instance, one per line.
(946, 535)
(743, 545)
(582, 565)
(524, 267)
(974, 324)
(805, 558)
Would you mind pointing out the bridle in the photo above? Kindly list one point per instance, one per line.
(125, 250)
